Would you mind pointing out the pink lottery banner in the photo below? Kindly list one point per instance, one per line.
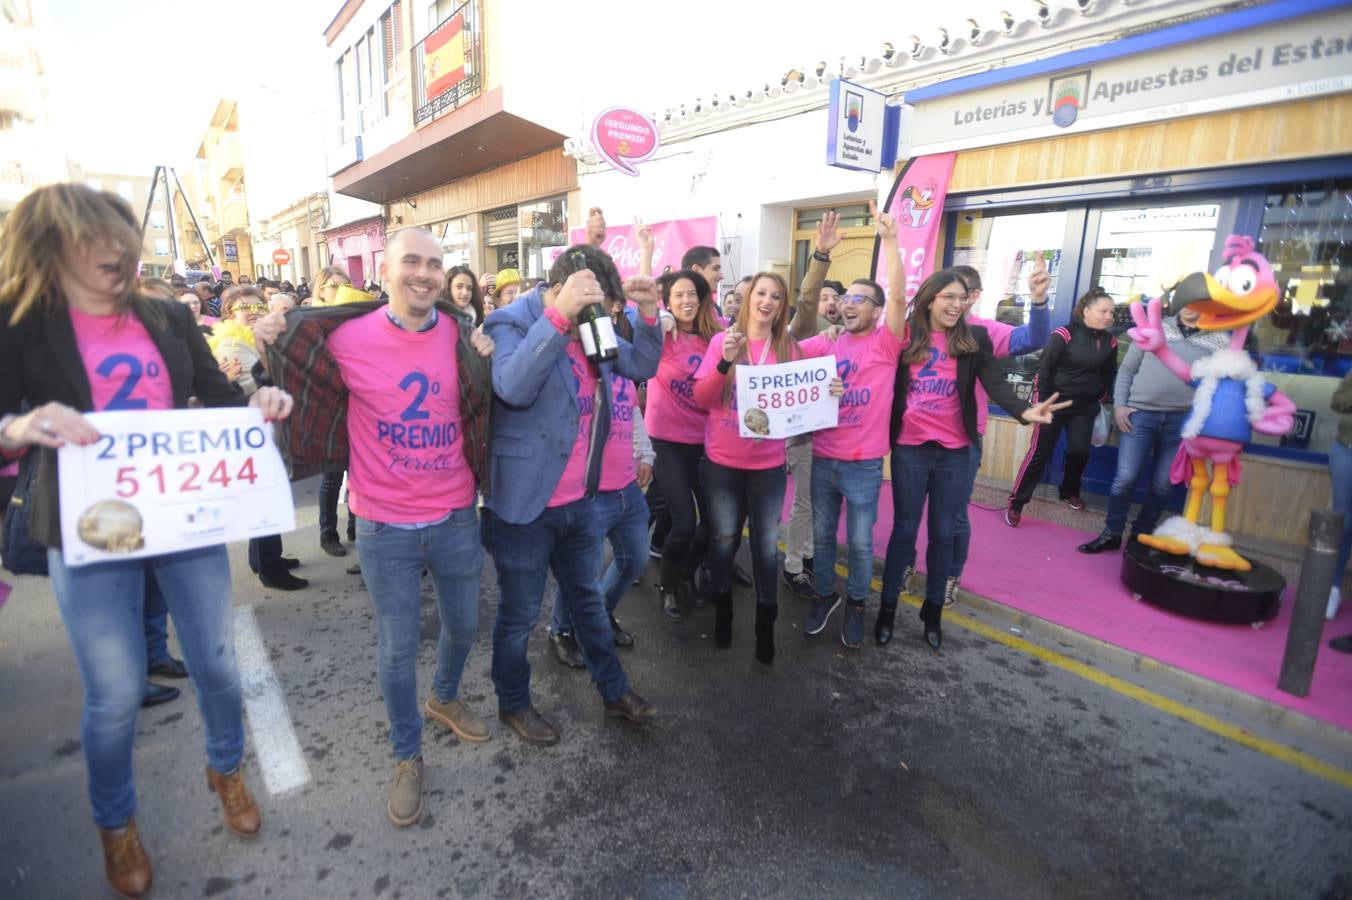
(917, 201)
(670, 239)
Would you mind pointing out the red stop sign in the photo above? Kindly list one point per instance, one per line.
(281, 257)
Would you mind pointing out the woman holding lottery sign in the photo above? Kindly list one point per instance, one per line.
(77, 337)
(744, 477)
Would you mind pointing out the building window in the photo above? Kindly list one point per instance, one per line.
(157, 219)
(161, 246)
(1305, 345)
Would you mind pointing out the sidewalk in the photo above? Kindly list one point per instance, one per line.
(1036, 569)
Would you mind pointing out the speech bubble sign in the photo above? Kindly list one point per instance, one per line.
(624, 137)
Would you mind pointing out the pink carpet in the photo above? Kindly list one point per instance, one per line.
(1036, 569)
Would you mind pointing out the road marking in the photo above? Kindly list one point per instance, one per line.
(279, 753)
(1303, 761)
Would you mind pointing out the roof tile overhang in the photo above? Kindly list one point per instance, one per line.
(479, 135)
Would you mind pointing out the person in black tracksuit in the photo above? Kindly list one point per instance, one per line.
(1080, 364)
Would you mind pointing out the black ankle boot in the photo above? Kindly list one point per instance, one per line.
(723, 619)
(673, 602)
(765, 633)
(932, 615)
(882, 629)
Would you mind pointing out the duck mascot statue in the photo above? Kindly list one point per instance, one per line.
(1232, 399)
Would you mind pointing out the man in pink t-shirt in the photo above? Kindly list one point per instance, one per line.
(409, 372)
(847, 461)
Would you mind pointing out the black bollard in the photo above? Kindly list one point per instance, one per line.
(1312, 597)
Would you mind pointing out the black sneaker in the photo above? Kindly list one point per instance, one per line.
(852, 629)
(801, 583)
(329, 543)
(655, 551)
(284, 582)
(566, 650)
(822, 607)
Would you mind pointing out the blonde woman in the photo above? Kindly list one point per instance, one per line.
(77, 337)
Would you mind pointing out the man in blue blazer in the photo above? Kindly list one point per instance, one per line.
(550, 420)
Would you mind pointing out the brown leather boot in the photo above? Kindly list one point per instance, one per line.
(125, 860)
(241, 812)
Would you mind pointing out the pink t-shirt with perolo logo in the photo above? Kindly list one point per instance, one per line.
(407, 451)
(125, 368)
(573, 484)
(722, 442)
(933, 409)
(867, 363)
(619, 467)
(672, 413)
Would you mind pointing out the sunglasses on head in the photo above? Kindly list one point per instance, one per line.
(250, 307)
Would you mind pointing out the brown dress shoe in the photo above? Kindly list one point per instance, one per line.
(632, 707)
(531, 727)
(125, 860)
(241, 812)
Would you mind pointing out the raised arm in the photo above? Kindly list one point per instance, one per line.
(804, 324)
(894, 311)
(638, 361)
(646, 245)
(1029, 337)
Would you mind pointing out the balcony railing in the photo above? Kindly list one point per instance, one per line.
(456, 64)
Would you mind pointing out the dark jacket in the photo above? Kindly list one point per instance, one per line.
(40, 363)
(535, 410)
(971, 366)
(1080, 363)
(314, 438)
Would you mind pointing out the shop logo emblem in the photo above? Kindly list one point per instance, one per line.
(854, 110)
(1066, 96)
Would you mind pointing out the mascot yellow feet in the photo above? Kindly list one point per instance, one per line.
(1183, 538)
(1221, 557)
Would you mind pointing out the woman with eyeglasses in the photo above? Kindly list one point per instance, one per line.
(327, 283)
(934, 425)
(77, 337)
(1080, 364)
(232, 339)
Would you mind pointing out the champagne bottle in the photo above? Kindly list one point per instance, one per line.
(597, 333)
(594, 326)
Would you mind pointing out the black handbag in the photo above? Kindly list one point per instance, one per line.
(19, 553)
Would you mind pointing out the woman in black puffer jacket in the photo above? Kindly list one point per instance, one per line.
(1080, 363)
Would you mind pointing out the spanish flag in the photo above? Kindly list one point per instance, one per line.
(444, 57)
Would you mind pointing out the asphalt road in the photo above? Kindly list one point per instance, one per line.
(978, 771)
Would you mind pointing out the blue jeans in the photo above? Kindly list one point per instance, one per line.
(1153, 435)
(156, 623)
(934, 471)
(732, 496)
(392, 561)
(1340, 473)
(565, 540)
(858, 484)
(103, 607)
(962, 526)
(623, 516)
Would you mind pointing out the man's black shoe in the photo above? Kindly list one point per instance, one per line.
(290, 562)
(632, 707)
(170, 668)
(1103, 542)
(740, 577)
(284, 582)
(1342, 644)
(566, 650)
(622, 637)
(157, 694)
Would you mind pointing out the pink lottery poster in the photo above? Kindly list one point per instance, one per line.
(917, 200)
(671, 240)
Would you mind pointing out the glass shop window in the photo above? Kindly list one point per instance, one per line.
(1305, 345)
(1003, 249)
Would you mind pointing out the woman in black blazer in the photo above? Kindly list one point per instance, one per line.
(76, 337)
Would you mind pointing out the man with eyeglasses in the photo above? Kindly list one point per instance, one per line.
(847, 461)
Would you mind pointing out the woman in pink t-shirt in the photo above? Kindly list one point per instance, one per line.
(77, 337)
(676, 425)
(743, 478)
(934, 420)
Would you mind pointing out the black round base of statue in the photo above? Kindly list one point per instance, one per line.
(1182, 585)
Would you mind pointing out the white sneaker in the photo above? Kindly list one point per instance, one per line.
(1335, 599)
